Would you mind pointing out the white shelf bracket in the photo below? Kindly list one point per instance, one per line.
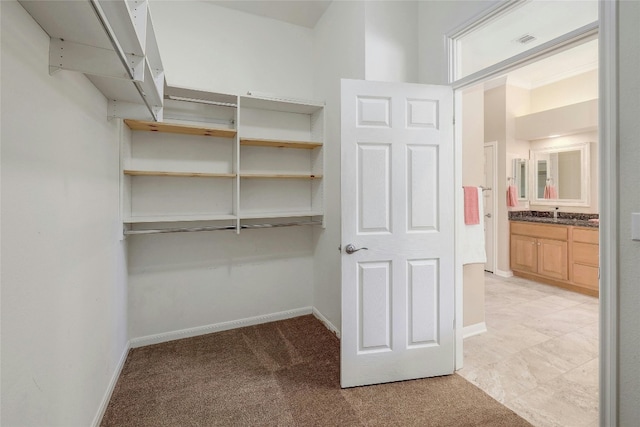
(66, 55)
(129, 110)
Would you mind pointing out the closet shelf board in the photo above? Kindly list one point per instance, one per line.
(259, 142)
(177, 218)
(278, 176)
(179, 129)
(179, 174)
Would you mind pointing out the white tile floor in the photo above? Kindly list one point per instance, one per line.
(539, 355)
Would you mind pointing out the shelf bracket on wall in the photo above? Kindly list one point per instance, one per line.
(130, 110)
(67, 55)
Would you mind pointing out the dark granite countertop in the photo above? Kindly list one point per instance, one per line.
(564, 218)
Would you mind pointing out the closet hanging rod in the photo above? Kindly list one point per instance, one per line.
(202, 101)
(178, 230)
(286, 224)
(218, 228)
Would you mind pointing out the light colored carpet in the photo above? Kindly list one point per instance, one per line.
(283, 373)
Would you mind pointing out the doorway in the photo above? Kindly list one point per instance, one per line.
(530, 321)
(508, 153)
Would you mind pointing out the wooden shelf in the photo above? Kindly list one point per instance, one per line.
(277, 176)
(177, 218)
(258, 142)
(179, 174)
(180, 129)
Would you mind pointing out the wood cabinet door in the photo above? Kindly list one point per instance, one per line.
(552, 259)
(524, 253)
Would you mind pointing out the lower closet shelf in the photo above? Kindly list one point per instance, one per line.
(219, 228)
(177, 218)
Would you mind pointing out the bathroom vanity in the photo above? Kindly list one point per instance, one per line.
(561, 252)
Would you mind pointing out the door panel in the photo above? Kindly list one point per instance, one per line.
(423, 297)
(374, 187)
(552, 258)
(524, 253)
(397, 202)
(374, 327)
(422, 178)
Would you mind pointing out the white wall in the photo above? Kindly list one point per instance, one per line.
(192, 280)
(573, 90)
(438, 18)
(391, 41)
(629, 176)
(339, 53)
(213, 48)
(189, 280)
(63, 269)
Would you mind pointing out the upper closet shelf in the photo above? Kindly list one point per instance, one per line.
(178, 93)
(113, 42)
(180, 129)
(288, 105)
(259, 142)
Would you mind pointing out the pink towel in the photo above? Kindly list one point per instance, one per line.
(550, 192)
(471, 212)
(512, 196)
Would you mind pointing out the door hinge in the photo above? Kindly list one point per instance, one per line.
(454, 121)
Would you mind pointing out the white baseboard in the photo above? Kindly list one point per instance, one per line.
(326, 322)
(475, 329)
(503, 273)
(112, 385)
(217, 327)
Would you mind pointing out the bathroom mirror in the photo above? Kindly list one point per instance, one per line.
(561, 175)
(520, 177)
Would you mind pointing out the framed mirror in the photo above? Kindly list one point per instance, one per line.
(561, 175)
(520, 177)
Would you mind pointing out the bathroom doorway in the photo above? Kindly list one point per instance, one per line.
(520, 377)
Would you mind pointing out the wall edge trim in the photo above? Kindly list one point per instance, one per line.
(503, 273)
(111, 387)
(217, 327)
(330, 326)
(475, 329)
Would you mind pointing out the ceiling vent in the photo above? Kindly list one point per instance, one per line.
(524, 39)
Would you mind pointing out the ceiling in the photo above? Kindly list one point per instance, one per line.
(568, 63)
(305, 13)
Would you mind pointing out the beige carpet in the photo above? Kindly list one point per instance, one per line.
(282, 374)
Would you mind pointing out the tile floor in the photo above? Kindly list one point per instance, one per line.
(539, 355)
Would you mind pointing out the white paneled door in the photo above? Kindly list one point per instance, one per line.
(397, 232)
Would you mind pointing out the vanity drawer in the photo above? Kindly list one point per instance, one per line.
(585, 275)
(585, 253)
(556, 232)
(585, 235)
